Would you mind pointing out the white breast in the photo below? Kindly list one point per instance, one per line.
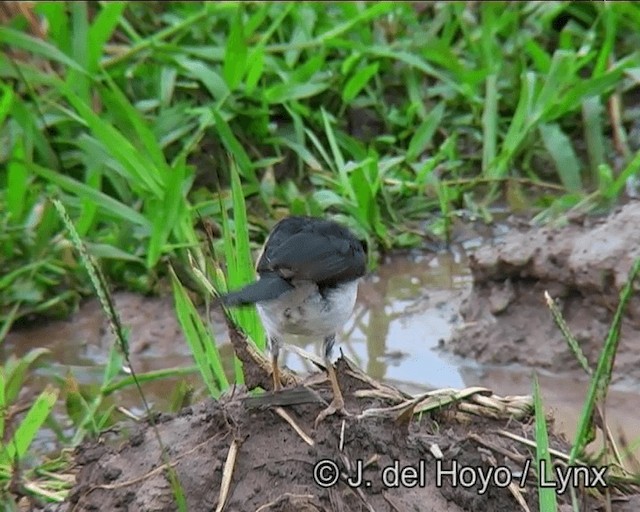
(303, 311)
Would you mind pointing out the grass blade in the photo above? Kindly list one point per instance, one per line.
(234, 147)
(235, 56)
(564, 157)
(490, 122)
(18, 39)
(201, 341)
(546, 495)
(424, 133)
(110, 207)
(25, 433)
(359, 81)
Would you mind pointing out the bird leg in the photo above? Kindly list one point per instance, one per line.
(337, 404)
(275, 369)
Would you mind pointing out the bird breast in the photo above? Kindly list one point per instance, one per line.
(307, 312)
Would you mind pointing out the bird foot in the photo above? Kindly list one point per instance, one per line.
(336, 406)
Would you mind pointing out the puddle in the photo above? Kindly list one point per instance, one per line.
(405, 312)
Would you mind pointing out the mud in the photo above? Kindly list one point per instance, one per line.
(583, 266)
(274, 466)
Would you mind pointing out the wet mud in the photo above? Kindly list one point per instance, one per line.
(271, 466)
(583, 266)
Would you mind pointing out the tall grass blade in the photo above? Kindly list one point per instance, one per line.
(201, 341)
(240, 268)
(546, 495)
(602, 377)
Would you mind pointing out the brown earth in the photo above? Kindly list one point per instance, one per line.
(583, 266)
(273, 466)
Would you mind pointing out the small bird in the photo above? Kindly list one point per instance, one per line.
(308, 274)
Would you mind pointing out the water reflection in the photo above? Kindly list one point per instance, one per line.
(404, 310)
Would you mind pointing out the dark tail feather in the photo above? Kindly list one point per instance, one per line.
(269, 287)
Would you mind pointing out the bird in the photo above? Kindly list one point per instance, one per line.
(308, 274)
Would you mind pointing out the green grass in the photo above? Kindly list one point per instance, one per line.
(377, 113)
(546, 495)
(144, 119)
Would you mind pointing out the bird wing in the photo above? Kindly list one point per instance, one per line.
(324, 258)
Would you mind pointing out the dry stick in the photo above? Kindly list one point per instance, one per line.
(286, 417)
(556, 453)
(514, 456)
(513, 488)
(473, 181)
(258, 372)
(227, 474)
(615, 114)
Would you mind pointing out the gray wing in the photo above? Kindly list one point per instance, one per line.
(319, 251)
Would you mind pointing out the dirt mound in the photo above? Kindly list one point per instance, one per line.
(274, 466)
(583, 266)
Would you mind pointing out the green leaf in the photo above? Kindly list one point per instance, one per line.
(6, 101)
(423, 135)
(171, 210)
(139, 167)
(594, 133)
(17, 39)
(256, 68)
(106, 251)
(201, 341)
(284, 92)
(238, 255)
(57, 18)
(490, 122)
(17, 181)
(234, 147)
(101, 30)
(24, 435)
(564, 157)
(115, 99)
(235, 56)
(599, 385)
(16, 370)
(358, 81)
(212, 81)
(4, 406)
(109, 205)
(546, 495)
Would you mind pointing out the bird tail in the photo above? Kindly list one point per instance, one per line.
(268, 287)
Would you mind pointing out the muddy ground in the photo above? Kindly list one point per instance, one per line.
(274, 466)
(583, 266)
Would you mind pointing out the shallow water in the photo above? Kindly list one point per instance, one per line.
(405, 310)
